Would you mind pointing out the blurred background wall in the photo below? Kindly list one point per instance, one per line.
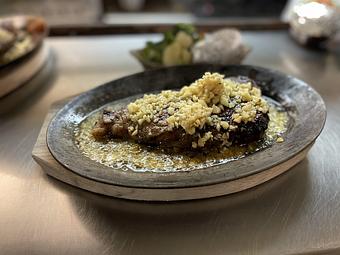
(142, 11)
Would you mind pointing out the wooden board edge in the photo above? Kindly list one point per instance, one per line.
(49, 165)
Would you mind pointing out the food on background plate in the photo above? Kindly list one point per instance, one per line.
(224, 46)
(19, 35)
(7, 40)
(212, 112)
(174, 48)
(183, 45)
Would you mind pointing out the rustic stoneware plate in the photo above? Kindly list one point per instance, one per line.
(304, 105)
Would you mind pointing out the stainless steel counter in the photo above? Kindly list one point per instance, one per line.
(296, 213)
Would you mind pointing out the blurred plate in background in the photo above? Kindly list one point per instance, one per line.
(25, 55)
(28, 32)
(13, 77)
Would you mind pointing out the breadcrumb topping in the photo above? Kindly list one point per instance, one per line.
(199, 104)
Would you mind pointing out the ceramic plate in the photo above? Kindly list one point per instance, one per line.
(304, 105)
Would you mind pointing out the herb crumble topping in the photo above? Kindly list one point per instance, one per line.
(198, 105)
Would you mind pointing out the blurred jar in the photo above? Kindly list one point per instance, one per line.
(314, 23)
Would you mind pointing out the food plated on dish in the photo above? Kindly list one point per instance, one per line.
(185, 132)
(214, 120)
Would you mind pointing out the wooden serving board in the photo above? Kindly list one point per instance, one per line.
(49, 164)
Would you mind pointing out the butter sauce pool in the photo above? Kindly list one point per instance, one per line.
(128, 155)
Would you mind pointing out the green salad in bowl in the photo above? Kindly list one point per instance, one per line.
(184, 45)
(173, 49)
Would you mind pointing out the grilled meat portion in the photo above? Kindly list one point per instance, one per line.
(117, 124)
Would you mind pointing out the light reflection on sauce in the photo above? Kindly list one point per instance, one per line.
(127, 155)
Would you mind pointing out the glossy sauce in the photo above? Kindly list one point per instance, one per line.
(128, 155)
